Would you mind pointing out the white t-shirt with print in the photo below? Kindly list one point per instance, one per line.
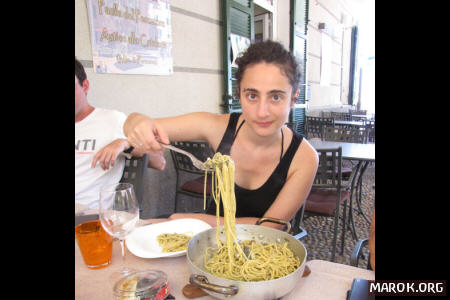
(98, 129)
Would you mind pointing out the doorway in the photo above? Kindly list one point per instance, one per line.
(263, 20)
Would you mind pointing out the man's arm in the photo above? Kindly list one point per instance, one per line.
(107, 156)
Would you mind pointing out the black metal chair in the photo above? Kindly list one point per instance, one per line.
(325, 114)
(315, 126)
(327, 193)
(344, 116)
(357, 252)
(292, 125)
(355, 113)
(370, 128)
(183, 166)
(348, 135)
(296, 224)
(135, 172)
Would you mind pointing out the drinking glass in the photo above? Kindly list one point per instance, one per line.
(119, 213)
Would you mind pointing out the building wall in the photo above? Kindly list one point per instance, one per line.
(338, 18)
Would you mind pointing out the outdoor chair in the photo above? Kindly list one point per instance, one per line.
(315, 126)
(327, 193)
(354, 113)
(184, 168)
(344, 116)
(370, 128)
(357, 253)
(135, 172)
(360, 244)
(326, 114)
(296, 229)
(292, 125)
(348, 135)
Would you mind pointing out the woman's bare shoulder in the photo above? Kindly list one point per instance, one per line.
(214, 126)
(306, 155)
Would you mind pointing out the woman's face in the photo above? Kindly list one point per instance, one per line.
(266, 98)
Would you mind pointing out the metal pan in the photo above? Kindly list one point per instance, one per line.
(223, 288)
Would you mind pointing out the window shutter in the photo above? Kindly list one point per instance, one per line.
(353, 63)
(238, 18)
(298, 45)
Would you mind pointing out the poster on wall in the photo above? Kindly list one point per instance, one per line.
(238, 46)
(131, 36)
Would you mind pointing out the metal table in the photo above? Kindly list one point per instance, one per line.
(360, 117)
(349, 123)
(364, 154)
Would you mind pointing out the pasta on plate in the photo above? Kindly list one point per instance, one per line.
(173, 242)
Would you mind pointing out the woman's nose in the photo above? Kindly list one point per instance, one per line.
(263, 109)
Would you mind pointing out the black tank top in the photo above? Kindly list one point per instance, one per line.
(254, 203)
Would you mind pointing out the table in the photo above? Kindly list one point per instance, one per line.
(364, 154)
(327, 280)
(360, 117)
(349, 123)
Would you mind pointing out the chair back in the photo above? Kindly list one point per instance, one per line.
(356, 113)
(296, 224)
(348, 135)
(345, 116)
(292, 125)
(329, 171)
(325, 114)
(370, 128)
(135, 172)
(200, 149)
(315, 126)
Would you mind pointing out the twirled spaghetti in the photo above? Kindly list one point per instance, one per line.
(173, 242)
(241, 260)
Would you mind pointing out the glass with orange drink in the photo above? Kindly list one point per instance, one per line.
(94, 243)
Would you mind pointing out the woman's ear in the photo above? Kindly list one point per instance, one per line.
(297, 93)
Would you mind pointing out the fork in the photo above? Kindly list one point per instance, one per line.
(195, 161)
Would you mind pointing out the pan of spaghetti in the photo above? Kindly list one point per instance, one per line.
(241, 261)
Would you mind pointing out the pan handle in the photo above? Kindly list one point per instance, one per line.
(203, 282)
(273, 220)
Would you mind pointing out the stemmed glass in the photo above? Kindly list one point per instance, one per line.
(119, 213)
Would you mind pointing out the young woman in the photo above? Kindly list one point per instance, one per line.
(274, 167)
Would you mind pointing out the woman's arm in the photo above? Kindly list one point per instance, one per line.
(297, 187)
(144, 132)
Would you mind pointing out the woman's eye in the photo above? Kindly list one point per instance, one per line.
(252, 96)
(276, 98)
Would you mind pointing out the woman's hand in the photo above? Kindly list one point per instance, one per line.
(144, 133)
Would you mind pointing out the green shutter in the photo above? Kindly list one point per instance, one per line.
(298, 45)
(238, 18)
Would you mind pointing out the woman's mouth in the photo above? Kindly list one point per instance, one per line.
(264, 124)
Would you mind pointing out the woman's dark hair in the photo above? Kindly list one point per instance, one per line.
(269, 52)
(79, 72)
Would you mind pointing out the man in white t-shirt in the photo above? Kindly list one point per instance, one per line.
(99, 145)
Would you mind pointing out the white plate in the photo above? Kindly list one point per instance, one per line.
(142, 241)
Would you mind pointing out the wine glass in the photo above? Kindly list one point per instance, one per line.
(119, 213)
